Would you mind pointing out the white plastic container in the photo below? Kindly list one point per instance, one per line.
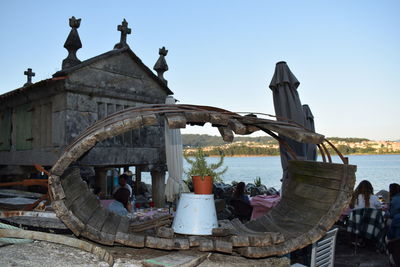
(195, 215)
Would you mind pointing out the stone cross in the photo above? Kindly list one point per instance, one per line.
(29, 75)
(123, 28)
(161, 65)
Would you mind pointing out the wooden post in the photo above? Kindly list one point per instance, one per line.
(138, 179)
(158, 188)
(101, 179)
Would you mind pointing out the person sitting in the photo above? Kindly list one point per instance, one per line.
(241, 203)
(122, 181)
(239, 192)
(97, 192)
(393, 234)
(365, 221)
(129, 178)
(394, 211)
(121, 204)
(363, 197)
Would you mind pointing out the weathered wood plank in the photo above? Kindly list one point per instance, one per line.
(165, 232)
(206, 245)
(149, 119)
(194, 240)
(56, 190)
(123, 226)
(95, 224)
(316, 181)
(70, 220)
(160, 243)
(181, 243)
(218, 119)
(240, 241)
(227, 134)
(312, 192)
(85, 206)
(301, 209)
(331, 171)
(109, 229)
(237, 126)
(220, 231)
(175, 120)
(223, 246)
(131, 240)
(260, 241)
(73, 192)
(37, 222)
(196, 117)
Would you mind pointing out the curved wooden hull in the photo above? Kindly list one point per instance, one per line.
(313, 196)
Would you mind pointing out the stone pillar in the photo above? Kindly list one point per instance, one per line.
(101, 179)
(158, 188)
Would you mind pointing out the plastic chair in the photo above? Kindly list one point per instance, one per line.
(323, 251)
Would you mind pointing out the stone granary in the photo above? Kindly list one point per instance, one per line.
(39, 120)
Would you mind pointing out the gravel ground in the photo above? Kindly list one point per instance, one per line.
(45, 254)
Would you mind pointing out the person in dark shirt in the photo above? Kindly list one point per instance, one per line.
(394, 211)
(121, 204)
(240, 192)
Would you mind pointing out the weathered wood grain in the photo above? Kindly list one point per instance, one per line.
(95, 224)
(131, 240)
(181, 243)
(175, 120)
(165, 232)
(237, 126)
(240, 241)
(227, 134)
(224, 246)
(206, 245)
(194, 240)
(109, 229)
(85, 206)
(160, 243)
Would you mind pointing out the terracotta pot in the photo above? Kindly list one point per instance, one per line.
(202, 186)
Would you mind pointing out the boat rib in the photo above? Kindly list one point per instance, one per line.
(313, 196)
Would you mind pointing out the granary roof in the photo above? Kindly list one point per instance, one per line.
(30, 87)
(126, 49)
(63, 74)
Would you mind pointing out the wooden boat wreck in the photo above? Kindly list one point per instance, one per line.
(313, 196)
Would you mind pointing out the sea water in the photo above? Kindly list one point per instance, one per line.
(380, 170)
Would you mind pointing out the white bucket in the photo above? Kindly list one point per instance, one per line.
(195, 215)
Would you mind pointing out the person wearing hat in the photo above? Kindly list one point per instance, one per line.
(122, 183)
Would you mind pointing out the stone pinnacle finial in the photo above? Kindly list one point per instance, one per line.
(72, 44)
(29, 74)
(123, 28)
(161, 64)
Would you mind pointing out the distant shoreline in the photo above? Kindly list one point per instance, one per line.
(250, 156)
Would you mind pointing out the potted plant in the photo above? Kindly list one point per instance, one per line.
(202, 173)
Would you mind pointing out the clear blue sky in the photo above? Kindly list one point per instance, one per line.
(346, 54)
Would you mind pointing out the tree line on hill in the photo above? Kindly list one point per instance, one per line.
(204, 140)
(215, 145)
